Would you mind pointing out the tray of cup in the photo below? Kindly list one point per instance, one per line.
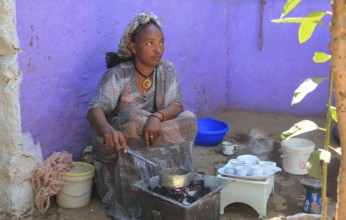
(244, 172)
(249, 167)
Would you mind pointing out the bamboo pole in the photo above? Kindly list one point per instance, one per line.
(338, 67)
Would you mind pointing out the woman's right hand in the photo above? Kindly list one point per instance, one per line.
(111, 137)
(115, 139)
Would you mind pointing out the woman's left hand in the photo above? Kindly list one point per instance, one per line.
(151, 130)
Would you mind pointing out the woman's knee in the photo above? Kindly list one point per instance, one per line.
(189, 119)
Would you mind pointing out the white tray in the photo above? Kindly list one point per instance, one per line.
(275, 170)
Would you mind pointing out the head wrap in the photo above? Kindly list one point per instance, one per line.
(124, 43)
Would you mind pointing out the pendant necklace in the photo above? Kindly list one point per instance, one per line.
(147, 83)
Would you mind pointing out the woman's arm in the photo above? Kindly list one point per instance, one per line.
(153, 125)
(171, 106)
(111, 137)
(172, 111)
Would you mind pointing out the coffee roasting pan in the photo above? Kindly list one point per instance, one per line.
(168, 177)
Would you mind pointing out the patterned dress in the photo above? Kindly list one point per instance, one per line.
(128, 110)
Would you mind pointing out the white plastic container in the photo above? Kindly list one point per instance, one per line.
(295, 153)
(78, 182)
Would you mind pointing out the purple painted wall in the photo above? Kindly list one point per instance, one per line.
(213, 43)
(265, 80)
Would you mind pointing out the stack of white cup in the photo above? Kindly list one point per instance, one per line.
(250, 167)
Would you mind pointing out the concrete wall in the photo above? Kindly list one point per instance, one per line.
(213, 43)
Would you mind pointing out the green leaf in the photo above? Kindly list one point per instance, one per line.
(337, 150)
(307, 28)
(334, 114)
(314, 165)
(305, 88)
(299, 128)
(290, 4)
(294, 20)
(321, 57)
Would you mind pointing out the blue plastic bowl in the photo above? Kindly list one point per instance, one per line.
(210, 132)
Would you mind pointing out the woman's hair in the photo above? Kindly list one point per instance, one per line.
(113, 59)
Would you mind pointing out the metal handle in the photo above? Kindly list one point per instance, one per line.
(142, 158)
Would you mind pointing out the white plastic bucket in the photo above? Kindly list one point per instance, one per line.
(295, 153)
(78, 182)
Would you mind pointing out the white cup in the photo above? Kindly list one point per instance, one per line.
(229, 169)
(248, 159)
(241, 170)
(234, 162)
(256, 170)
(248, 169)
(250, 162)
(229, 148)
(268, 166)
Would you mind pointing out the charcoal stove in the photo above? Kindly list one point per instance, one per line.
(156, 206)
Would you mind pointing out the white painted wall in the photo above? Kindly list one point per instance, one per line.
(18, 154)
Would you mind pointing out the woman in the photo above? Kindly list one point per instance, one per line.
(138, 105)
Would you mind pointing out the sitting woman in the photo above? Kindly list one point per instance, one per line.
(138, 105)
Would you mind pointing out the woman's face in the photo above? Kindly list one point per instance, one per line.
(149, 46)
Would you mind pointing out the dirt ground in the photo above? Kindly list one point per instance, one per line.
(255, 133)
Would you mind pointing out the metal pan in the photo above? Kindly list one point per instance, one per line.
(169, 177)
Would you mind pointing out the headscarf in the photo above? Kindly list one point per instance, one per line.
(124, 51)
